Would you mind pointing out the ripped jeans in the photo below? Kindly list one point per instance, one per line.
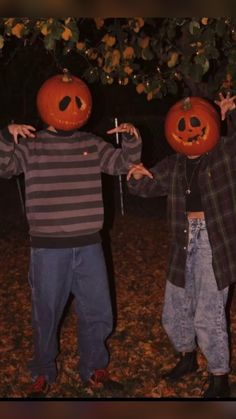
(195, 315)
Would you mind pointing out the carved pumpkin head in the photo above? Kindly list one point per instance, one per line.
(192, 126)
(64, 101)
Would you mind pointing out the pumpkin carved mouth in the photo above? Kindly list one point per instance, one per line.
(202, 136)
(62, 121)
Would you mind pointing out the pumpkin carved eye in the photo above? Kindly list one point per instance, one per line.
(194, 121)
(78, 102)
(181, 124)
(64, 103)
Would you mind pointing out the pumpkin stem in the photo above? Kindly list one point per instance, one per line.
(187, 104)
(66, 75)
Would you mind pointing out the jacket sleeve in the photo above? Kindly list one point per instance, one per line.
(116, 161)
(228, 142)
(231, 123)
(159, 185)
(13, 156)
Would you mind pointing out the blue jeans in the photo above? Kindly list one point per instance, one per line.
(54, 274)
(197, 312)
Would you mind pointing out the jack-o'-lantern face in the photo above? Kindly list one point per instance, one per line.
(64, 102)
(192, 126)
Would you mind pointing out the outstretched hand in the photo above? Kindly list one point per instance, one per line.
(138, 171)
(226, 104)
(22, 130)
(125, 127)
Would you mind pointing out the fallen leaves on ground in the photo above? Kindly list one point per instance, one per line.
(140, 350)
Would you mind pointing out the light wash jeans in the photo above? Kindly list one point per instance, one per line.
(54, 274)
(196, 313)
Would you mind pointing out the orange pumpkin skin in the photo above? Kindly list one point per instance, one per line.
(192, 126)
(64, 102)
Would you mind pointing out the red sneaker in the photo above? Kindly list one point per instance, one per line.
(100, 379)
(39, 388)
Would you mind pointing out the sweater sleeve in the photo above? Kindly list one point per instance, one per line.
(159, 185)
(12, 156)
(116, 161)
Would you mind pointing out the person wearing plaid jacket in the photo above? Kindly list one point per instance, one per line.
(202, 261)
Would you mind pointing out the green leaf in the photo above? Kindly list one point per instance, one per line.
(56, 29)
(232, 56)
(171, 31)
(220, 27)
(72, 25)
(212, 52)
(231, 69)
(147, 54)
(194, 27)
(185, 68)
(172, 86)
(103, 78)
(1, 42)
(49, 42)
(203, 62)
(158, 95)
(196, 72)
(208, 35)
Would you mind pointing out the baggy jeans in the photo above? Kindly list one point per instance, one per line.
(53, 275)
(196, 313)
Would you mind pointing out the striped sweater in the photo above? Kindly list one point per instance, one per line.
(63, 189)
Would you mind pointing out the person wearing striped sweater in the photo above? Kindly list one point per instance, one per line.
(64, 207)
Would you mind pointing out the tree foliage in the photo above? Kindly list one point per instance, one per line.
(159, 56)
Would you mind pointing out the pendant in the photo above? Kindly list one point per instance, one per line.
(188, 191)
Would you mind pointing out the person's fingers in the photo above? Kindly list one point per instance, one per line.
(22, 132)
(15, 137)
(112, 130)
(147, 173)
(27, 133)
(136, 165)
(129, 174)
(139, 170)
(124, 127)
(118, 129)
(29, 127)
(134, 169)
(135, 132)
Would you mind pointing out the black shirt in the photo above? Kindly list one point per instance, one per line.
(192, 191)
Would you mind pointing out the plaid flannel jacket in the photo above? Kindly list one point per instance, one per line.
(217, 182)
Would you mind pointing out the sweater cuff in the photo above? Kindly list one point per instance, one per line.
(126, 136)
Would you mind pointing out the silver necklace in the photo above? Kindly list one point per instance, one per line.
(188, 183)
